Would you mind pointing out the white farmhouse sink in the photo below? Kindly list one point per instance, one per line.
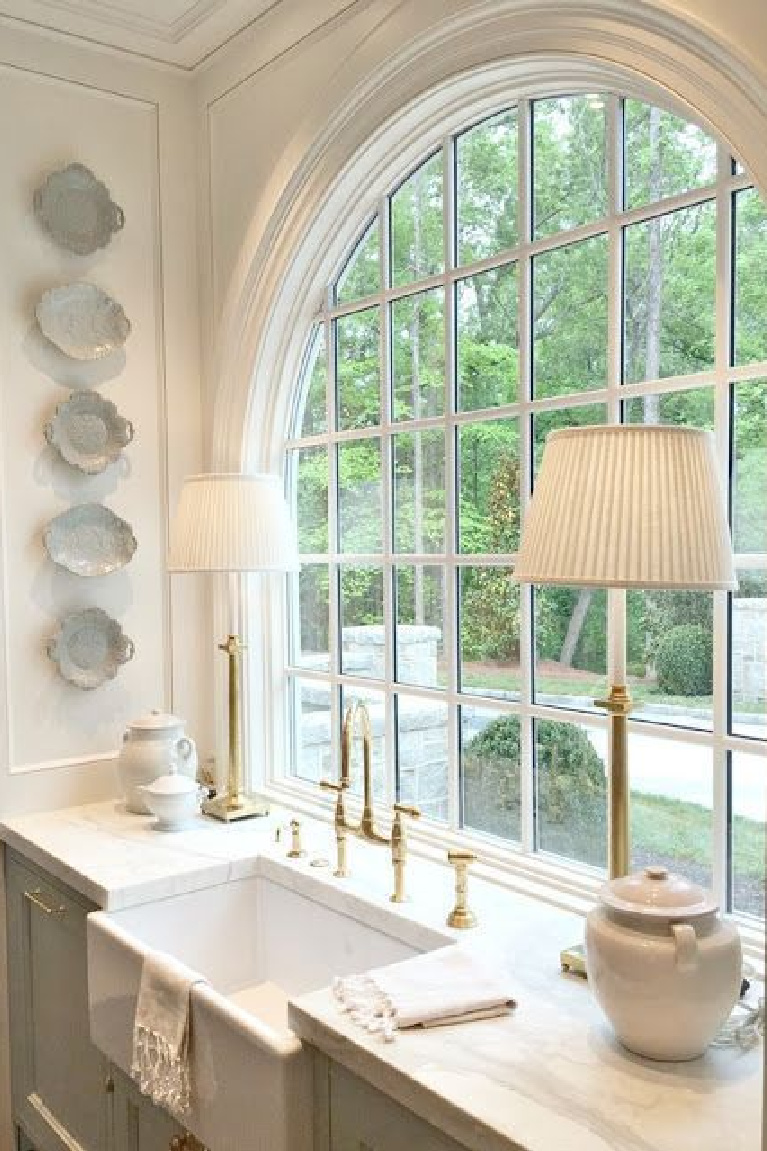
(257, 941)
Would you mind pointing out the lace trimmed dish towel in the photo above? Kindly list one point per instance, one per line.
(160, 1063)
(431, 990)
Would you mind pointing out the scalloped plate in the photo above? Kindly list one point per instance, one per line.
(89, 648)
(88, 432)
(89, 540)
(82, 321)
(77, 211)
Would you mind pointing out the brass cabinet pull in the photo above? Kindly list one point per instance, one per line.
(36, 896)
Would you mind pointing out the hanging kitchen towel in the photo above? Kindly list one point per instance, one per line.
(160, 1063)
(430, 990)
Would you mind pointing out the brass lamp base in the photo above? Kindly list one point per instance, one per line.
(231, 808)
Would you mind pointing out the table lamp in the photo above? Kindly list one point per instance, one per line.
(233, 523)
(626, 507)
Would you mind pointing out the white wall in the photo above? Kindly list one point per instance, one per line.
(133, 125)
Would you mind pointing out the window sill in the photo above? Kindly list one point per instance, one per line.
(567, 886)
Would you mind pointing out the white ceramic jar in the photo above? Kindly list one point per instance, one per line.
(663, 966)
(151, 746)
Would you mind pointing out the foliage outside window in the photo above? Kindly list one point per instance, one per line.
(483, 307)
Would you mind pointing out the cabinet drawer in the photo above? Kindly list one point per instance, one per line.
(363, 1119)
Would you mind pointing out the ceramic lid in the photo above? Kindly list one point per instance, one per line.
(172, 784)
(656, 893)
(156, 721)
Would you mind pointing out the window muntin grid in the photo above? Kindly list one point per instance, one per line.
(492, 419)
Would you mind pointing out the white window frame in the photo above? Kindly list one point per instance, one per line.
(561, 882)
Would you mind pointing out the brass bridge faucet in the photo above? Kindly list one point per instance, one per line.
(357, 712)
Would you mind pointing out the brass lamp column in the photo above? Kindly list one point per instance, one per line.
(233, 523)
(617, 507)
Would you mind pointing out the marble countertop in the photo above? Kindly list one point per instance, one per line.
(549, 1077)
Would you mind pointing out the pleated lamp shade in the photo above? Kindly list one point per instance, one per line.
(232, 523)
(627, 507)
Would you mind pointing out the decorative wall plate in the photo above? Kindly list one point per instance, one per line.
(81, 320)
(76, 210)
(88, 431)
(89, 540)
(89, 648)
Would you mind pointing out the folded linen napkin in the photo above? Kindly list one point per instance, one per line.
(430, 990)
(160, 1063)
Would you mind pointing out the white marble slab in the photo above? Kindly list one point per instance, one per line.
(550, 1077)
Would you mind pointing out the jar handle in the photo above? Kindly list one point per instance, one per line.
(686, 946)
(185, 747)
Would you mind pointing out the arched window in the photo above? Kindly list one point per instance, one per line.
(575, 259)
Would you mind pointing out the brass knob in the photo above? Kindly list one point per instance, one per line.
(461, 916)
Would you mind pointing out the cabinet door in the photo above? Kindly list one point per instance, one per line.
(59, 1078)
(363, 1119)
(137, 1125)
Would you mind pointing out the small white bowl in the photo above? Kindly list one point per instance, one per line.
(174, 799)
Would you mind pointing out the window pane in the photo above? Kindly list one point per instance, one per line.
(487, 339)
(417, 241)
(489, 632)
(311, 732)
(420, 657)
(312, 419)
(570, 318)
(313, 624)
(750, 285)
(362, 630)
(422, 744)
(749, 803)
(362, 274)
(419, 491)
(358, 369)
(311, 487)
(749, 515)
(575, 417)
(490, 771)
(670, 653)
(693, 408)
(672, 797)
(572, 791)
(375, 703)
(748, 655)
(570, 646)
(489, 487)
(359, 496)
(569, 170)
(669, 278)
(418, 355)
(486, 182)
(664, 155)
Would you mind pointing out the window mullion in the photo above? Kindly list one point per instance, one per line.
(527, 813)
(451, 637)
(391, 750)
(721, 765)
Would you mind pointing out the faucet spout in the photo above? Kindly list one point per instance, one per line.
(358, 713)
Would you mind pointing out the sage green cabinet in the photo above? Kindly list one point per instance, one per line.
(59, 1079)
(137, 1125)
(66, 1096)
(360, 1118)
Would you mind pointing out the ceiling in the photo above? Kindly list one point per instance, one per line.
(181, 32)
